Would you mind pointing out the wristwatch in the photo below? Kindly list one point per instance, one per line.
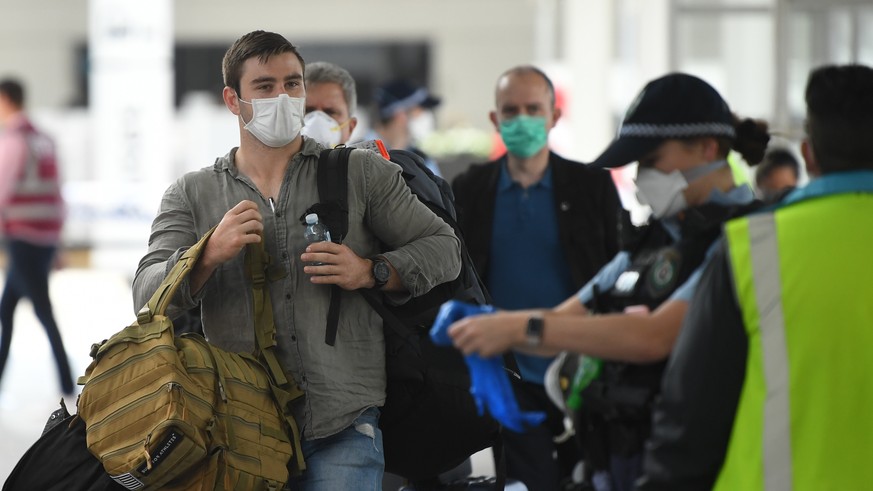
(381, 272)
(534, 332)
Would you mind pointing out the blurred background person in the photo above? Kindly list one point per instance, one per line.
(32, 214)
(538, 227)
(331, 101)
(777, 174)
(402, 117)
(769, 385)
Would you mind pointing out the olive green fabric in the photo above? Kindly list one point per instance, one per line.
(177, 413)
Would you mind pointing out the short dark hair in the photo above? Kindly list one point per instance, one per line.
(13, 90)
(775, 159)
(522, 69)
(256, 43)
(839, 117)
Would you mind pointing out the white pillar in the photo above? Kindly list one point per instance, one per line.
(131, 104)
(588, 48)
(131, 88)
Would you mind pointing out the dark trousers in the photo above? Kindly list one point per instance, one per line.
(27, 277)
(531, 456)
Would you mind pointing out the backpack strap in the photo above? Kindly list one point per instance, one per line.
(333, 210)
(333, 183)
(160, 300)
(257, 268)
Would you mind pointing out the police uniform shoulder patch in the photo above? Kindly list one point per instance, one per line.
(664, 272)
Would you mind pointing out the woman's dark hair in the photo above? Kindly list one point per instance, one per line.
(752, 137)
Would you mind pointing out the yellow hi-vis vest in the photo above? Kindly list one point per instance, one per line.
(804, 280)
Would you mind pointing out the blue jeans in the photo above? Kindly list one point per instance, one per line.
(351, 459)
(27, 277)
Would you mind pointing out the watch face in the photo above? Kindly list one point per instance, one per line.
(381, 271)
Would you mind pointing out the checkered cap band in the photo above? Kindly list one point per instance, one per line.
(647, 130)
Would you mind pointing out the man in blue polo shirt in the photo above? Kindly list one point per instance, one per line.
(538, 227)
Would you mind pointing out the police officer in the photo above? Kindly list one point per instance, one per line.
(680, 131)
(769, 386)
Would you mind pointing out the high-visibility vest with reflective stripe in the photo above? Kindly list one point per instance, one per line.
(35, 211)
(804, 280)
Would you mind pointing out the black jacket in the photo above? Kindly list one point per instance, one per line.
(701, 388)
(587, 205)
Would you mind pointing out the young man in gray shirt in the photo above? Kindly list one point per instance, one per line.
(257, 192)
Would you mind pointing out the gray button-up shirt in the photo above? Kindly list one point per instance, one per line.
(340, 381)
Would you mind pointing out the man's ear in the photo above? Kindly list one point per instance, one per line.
(493, 117)
(556, 115)
(230, 100)
(812, 167)
(353, 123)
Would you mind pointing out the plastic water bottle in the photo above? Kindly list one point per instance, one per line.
(586, 372)
(315, 232)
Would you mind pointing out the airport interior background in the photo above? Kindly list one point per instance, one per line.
(131, 93)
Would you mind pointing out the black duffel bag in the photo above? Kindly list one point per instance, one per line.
(60, 461)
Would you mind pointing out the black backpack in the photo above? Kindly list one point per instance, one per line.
(430, 423)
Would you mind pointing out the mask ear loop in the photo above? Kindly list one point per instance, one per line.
(240, 113)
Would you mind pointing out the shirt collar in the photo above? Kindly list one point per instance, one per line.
(504, 181)
(18, 121)
(310, 148)
(834, 183)
(738, 195)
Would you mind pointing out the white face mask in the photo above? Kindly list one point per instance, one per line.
(276, 121)
(662, 192)
(322, 128)
(422, 126)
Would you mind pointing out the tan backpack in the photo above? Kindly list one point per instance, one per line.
(177, 413)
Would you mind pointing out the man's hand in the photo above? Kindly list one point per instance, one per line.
(241, 225)
(341, 266)
(489, 334)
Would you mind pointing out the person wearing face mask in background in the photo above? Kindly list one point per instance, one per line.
(402, 117)
(538, 227)
(331, 101)
(777, 174)
(679, 130)
(256, 193)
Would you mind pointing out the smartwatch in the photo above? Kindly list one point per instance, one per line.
(381, 272)
(534, 332)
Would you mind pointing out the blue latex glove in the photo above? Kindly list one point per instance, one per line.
(490, 383)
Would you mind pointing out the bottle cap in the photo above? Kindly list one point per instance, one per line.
(312, 218)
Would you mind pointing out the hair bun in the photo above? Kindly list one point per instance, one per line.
(751, 140)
